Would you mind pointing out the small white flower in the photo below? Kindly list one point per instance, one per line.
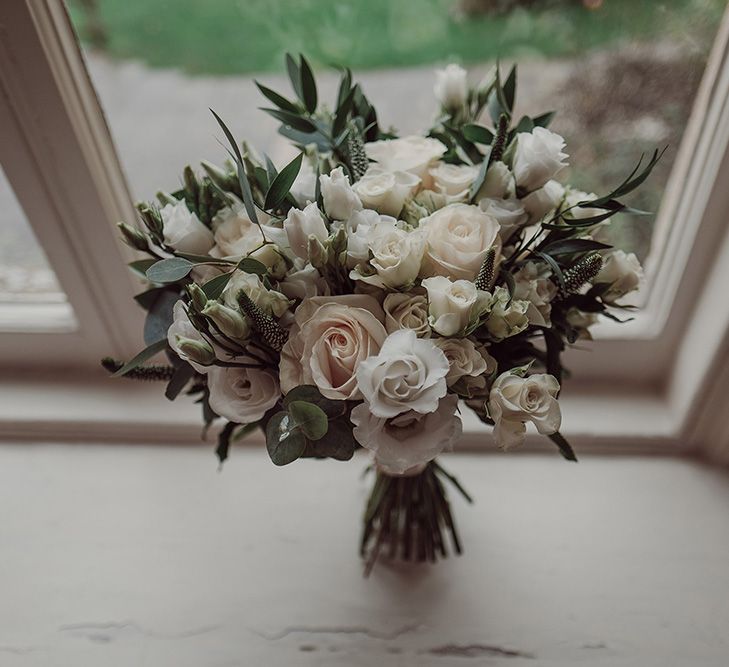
(515, 400)
(405, 442)
(242, 395)
(414, 154)
(302, 224)
(506, 319)
(453, 305)
(538, 157)
(624, 273)
(385, 191)
(407, 374)
(451, 87)
(407, 311)
(340, 200)
(358, 233)
(183, 231)
(459, 236)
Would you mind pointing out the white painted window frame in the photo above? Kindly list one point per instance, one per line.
(655, 384)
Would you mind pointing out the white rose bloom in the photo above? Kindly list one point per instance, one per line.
(301, 224)
(358, 233)
(538, 290)
(409, 440)
(303, 189)
(538, 157)
(183, 231)
(407, 374)
(181, 327)
(234, 233)
(407, 311)
(509, 213)
(464, 358)
(453, 179)
(385, 191)
(624, 273)
(303, 283)
(242, 395)
(270, 301)
(331, 336)
(413, 154)
(452, 306)
(506, 320)
(396, 256)
(451, 87)
(340, 200)
(515, 400)
(459, 236)
(499, 182)
(543, 201)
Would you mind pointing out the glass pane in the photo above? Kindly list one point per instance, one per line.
(622, 74)
(25, 275)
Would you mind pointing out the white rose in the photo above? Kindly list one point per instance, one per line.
(453, 180)
(183, 231)
(506, 319)
(451, 87)
(385, 191)
(464, 359)
(242, 395)
(407, 374)
(396, 256)
(452, 306)
(358, 232)
(459, 236)
(303, 283)
(515, 400)
(301, 224)
(331, 336)
(538, 290)
(303, 189)
(509, 213)
(414, 154)
(407, 441)
(538, 157)
(340, 200)
(234, 233)
(270, 301)
(624, 273)
(540, 202)
(407, 311)
(181, 327)
(499, 182)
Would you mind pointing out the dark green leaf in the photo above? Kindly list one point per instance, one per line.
(338, 443)
(159, 315)
(545, 119)
(308, 85)
(291, 119)
(525, 124)
(478, 134)
(510, 90)
(214, 287)
(169, 270)
(279, 100)
(478, 181)
(182, 375)
(345, 86)
(553, 265)
(144, 355)
(310, 418)
(147, 298)
(250, 265)
(224, 441)
(294, 76)
(311, 394)
(141, 265)
(571, 246)
(271, 170)
(285, 443)
(564, 447)
(282, 183)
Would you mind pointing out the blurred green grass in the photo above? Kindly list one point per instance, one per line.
(240, 36)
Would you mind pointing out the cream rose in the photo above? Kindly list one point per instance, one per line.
(302, 224)
(509, 213)
(506, 319)
(464, 359)
(413, 154)
(458, 237)
(406, 442)
(183, 231)
(385, 191)
(340, 200)
(451, 87)
(538, 158)
(453, 180)
(407, 374)
(545, 200)
(499, 182)
(624, 273)
(234, 233)
(407, 311)
(330, 338)
(452, 306)
(515, 400)
(358, 233)
(242, 395)
(538, 290)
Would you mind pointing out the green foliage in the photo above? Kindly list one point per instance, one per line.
(144, 355)
(169, 270)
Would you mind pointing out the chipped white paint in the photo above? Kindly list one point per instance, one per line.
(147, 556)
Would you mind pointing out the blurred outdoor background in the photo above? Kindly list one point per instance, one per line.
(622, 75)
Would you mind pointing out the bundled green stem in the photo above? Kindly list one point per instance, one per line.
(410, 517)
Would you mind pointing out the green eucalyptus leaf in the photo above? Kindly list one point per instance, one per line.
(310, 418)
(159, 315)
(292, 120)
(214, 287)
(285, 443)
(250, 265)
(338, 443)
(311, 394)
(140, 266)
(279, 100)
(478, 134)
(282, 183)
(169, 270)
(144, 355)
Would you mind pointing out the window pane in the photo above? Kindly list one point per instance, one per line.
(622, 74)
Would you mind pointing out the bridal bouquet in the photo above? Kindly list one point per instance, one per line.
(364, 293)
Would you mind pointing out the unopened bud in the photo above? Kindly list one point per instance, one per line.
(198, 297)
(229, 321)
(194, 350)
(338, 242)
(133, 237)
(317, 253)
